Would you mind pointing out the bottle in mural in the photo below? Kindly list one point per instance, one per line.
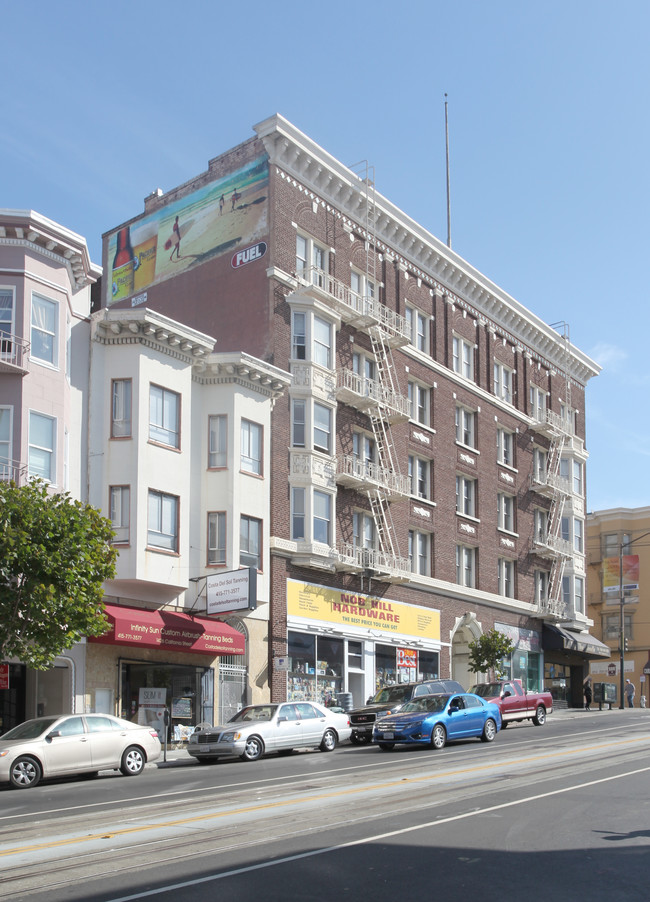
(123, 266)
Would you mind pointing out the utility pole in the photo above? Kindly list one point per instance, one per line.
(448, 183)
(622, 545)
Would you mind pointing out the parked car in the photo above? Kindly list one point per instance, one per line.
(258, 729)
(515, 702)
(390, 700)
(60, 745)
(433, 720)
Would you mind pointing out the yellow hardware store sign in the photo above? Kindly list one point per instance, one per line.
(333, 606)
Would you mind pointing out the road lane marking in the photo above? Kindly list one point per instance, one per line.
(309, 799)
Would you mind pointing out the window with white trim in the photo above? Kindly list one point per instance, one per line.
(540, 461)
(119, 512)
(162, 524)
(578, 535)
(6, 321)
(312, 338)
(363, 530)
(218, 441)
(578, 595)
(322, 428)
(298, 421)
(45, 329)
(466, 566)
(322, 517)
(419, 324)
(419, 398)
(361, 285)
(164, 416)
(612, 626)
(121, 390)
(503, 382)
(250, 542)
(506, 577)
(463, 357)
(419, 544)
(578, 483)
(311, 260)
(250, 460)
(299, 335)
(298, 513)
(466, 496)
(216, 538)
(538, 403)
(542, 578)
(42, 444)
(540, 525)
(322, 342)
(505, 447)
(506, 512)
(364, 448)
(465, 426)
(6, 471)
(419, 476)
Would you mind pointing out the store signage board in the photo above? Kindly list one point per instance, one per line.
(235, 590)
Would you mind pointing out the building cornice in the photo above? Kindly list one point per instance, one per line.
(330, 183)
(30, 230)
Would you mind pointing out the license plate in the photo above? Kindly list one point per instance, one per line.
(388, 735)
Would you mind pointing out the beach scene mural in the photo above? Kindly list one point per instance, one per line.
(218, 218)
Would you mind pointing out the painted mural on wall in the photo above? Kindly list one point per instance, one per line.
(221, 217)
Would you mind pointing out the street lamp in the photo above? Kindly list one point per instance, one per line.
(622, 622)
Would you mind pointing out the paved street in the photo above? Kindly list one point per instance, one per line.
(559, 811)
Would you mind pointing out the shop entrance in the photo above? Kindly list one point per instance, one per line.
(12, 700)
(185, 691)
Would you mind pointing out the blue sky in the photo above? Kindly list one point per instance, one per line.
(549, 135)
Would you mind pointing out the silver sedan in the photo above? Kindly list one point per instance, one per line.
(258, 729)
(74, 744)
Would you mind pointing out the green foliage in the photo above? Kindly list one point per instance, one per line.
(55, 553)
(488, 651)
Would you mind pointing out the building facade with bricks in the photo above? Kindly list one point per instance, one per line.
(428, 460)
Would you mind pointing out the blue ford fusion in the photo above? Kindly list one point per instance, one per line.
(433, 720)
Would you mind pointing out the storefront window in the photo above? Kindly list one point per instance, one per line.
(428, 665)
(316, 668)
(180, 692)
(557, 681)
(385, 666)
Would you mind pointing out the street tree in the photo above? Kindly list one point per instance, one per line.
(55, 553)
(488, 651)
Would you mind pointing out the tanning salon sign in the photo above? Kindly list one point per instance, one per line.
(361, 612)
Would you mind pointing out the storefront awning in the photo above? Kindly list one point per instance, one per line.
(556, 638)
(171, 631)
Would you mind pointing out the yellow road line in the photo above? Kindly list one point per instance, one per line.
(197, 818)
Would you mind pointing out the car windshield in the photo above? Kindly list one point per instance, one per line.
(487, 690)
(254, 712)
(391, 694)
(31, 729)
(431, 704)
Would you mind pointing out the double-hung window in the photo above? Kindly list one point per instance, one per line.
(578, 487)
(298, 412)
(505, 447)
(541, 586)
(466, 566)
(164, 416)
(299, 335)
(540, 526)
(322, 517)
(250, 543)
(418, 471)
(363, 530)
(251, 448)
(419, 329)
(506, 577)
(463, 357)
(466, 496)
(419, 399)
(311, 260)
(121, 408)
(5, 443)
(42, 444)
(6, 321)
(322, 428)
(119, 504)
(466, 427)
(216, 538)
(506, 512)
(162, 527)
(322, 345)
(418, 552)
(537, 403)
(503, 382)
(298, 512)
(218, 438)
(44, 335)
(361, 286)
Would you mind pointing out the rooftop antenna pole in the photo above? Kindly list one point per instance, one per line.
(448, 196)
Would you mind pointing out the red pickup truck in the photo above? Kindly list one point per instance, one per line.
(514, 702)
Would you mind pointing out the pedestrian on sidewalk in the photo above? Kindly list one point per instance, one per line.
(629, 693)
(588, 694)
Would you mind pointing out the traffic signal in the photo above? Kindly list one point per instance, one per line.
(625, 644)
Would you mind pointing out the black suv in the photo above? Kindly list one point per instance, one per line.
(390, 700)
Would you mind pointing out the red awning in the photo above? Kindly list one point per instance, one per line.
(170, 630)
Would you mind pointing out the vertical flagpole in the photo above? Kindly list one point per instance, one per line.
(448, 193)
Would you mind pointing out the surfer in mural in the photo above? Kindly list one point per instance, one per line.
(176, 240)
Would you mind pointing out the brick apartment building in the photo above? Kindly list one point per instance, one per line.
(427, 463)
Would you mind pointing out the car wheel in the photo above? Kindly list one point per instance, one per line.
(328, 742)
(489, 730)
(25, 772)
(133, 761)
(253, 749)
(386, 746)
(438, 736)
(540, 716)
